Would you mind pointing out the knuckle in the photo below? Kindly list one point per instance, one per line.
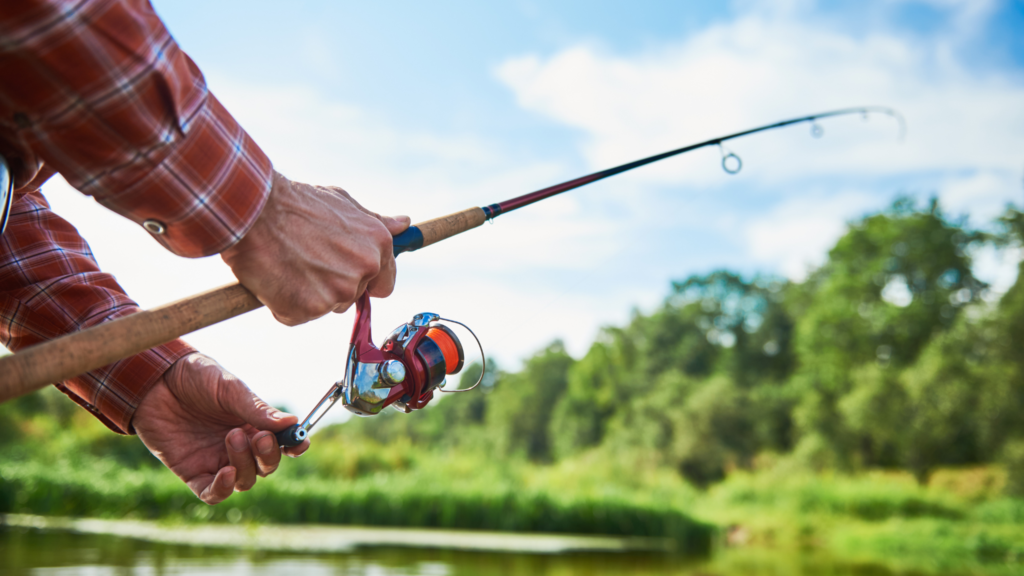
(287, 317)
(382, 237)
(372, 267)
(315, 309)
(344, 294)
(304, 310)
(367, 265)
(384, 290)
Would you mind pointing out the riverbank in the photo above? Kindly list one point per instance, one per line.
(333, 539)
(29, 552)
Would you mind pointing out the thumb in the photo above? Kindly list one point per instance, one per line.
(252, 410)
(395, 224)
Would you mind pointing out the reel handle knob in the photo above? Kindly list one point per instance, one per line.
(291, 436)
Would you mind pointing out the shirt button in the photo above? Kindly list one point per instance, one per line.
(154, 226)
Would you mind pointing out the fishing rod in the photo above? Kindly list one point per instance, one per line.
(416, 237)
(404, 372)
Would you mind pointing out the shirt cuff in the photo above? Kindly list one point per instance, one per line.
(112, 393)
(205, 194)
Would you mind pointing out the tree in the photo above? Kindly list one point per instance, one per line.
(520, 408)
(890, 284)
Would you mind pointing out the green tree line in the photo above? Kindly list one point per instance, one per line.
(891, 354)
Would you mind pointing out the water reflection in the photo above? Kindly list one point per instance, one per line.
(32, 552)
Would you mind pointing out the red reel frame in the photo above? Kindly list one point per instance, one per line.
(404, 372)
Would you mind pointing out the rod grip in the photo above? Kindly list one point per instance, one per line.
(106, 343)
(447, 226)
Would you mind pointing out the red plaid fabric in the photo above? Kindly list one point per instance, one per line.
(51, 285)
(98, 91)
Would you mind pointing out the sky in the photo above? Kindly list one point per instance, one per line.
(429, 108)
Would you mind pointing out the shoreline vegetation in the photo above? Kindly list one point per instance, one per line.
(873, 412)
(884, 518)
(957, 524)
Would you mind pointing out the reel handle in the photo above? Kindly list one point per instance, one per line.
(291, 436)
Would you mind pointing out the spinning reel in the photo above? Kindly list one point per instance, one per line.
(404, 372)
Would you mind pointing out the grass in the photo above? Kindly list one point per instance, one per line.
(413, 499)
(935, 546)
(880, 518)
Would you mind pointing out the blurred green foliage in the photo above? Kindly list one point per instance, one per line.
(888, 355)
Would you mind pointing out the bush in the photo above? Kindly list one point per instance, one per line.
(1013, 459)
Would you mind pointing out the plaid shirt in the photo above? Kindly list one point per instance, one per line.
(98, 91)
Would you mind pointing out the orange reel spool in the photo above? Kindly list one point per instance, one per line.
(450, 347)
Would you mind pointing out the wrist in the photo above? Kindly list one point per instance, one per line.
(164, 379)
(259, 234)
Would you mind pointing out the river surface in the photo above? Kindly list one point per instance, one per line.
(25, 551)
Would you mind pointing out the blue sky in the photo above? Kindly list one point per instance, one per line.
(430, 108)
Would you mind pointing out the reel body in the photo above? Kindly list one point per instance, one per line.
(404, 372)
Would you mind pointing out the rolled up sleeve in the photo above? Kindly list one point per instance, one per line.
(105, 96)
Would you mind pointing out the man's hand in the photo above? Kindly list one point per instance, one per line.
(314, 250)
(211, 430)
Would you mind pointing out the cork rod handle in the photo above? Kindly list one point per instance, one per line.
(103, 344)
(447, 226)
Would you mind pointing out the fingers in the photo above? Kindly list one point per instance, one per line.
(252, 410)
(296, 451)
(314, 250)
(240, 456)
(396, 224)
(259, 455)
(267, 452)
(214, 489)
(383, 284)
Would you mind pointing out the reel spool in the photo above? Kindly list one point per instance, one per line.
(414, 360)
(440, 353)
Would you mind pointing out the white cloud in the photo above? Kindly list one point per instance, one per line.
(996, 267)
(983, 195)
(795, 236)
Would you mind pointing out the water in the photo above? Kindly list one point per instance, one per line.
(49, 553)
